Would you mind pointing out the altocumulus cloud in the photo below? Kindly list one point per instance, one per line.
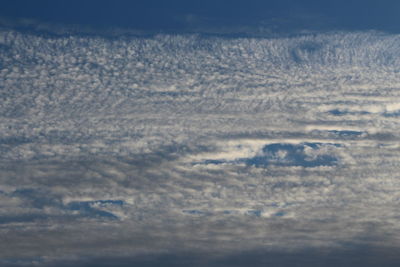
(205, 145)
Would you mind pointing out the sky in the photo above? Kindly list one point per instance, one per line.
(202, 133)
(221, 16)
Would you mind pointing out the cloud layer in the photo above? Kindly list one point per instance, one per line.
(180, 143)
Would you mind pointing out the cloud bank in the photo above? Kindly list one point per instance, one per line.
(185, 143)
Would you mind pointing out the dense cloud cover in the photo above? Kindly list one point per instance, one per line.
(176, 144)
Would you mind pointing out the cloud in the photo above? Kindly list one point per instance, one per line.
(117, 140)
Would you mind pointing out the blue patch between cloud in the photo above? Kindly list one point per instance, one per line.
(86, 208)
(256, 213)
(346, 133)
(38, 200)
(14, 140)
(281, 154)
(194, 212)
(280, 214)
(337, 112)
(391, 114)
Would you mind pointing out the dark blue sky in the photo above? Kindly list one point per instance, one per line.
(212, 15)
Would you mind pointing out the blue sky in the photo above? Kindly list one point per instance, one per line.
(202, 133)
(232, 16)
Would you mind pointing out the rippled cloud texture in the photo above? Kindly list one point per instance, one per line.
(130, 147)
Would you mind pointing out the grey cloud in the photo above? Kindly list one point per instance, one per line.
(102, 138)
